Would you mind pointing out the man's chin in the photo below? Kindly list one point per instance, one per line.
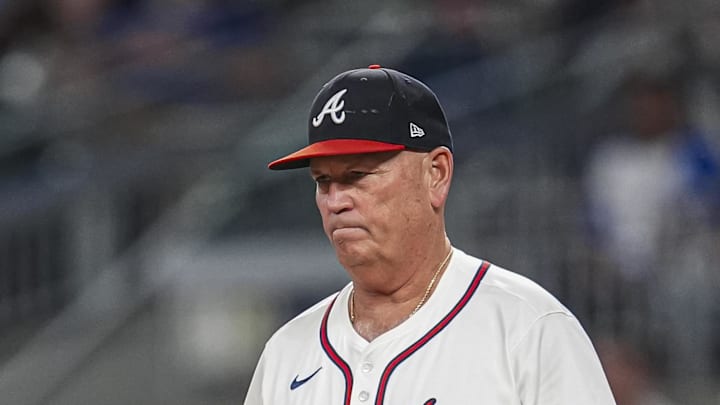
(351, 252)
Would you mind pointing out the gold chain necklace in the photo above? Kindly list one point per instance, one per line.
(422, 300)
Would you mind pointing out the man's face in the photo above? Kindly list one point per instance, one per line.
(372, 205)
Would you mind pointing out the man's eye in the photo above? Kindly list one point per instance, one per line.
(355, 175)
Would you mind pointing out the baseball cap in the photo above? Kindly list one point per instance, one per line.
(368, 111)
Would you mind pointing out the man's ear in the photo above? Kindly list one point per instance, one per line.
(440, 175)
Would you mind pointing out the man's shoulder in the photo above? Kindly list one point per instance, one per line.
(306, 324)
(512, 291)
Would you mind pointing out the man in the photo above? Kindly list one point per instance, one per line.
(421, 322)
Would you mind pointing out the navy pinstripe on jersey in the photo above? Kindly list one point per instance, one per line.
(334, 356)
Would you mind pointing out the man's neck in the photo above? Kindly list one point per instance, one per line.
(374, 313)
(377, 320)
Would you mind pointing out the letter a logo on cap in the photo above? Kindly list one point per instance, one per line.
(416, 131)
(332, 107)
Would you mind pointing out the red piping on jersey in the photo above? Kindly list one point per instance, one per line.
(345, 369)
(379, 400)
(334, 356)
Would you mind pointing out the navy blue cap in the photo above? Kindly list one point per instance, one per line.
(371, 110)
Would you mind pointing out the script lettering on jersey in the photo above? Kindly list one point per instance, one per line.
(334, 108)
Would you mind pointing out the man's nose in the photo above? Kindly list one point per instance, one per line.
(338, 198)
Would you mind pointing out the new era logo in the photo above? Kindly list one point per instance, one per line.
(416, 131)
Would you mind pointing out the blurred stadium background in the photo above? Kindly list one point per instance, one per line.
(146, 253)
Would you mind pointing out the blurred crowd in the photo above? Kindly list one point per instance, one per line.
(72, 64)
(653, 198)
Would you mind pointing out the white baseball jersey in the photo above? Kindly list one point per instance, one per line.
(485, 336)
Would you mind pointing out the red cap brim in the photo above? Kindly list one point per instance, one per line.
(332, 147)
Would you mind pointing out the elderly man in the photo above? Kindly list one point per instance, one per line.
(421, 322)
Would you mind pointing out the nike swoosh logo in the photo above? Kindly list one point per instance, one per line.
(297, 383)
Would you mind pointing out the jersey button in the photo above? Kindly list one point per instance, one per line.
(364, 396)
(366, 367)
